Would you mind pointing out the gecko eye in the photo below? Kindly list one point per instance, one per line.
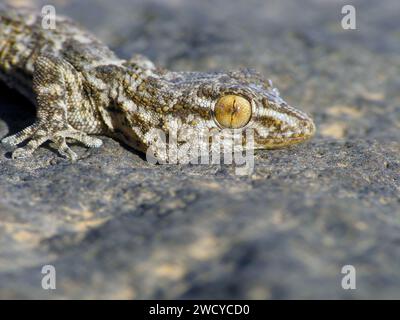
(232, 111)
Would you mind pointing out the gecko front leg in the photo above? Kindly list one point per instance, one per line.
(54, 81)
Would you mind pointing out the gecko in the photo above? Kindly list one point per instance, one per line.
(83, 90)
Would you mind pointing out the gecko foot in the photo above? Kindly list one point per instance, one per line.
(38, 136)
(51, 79)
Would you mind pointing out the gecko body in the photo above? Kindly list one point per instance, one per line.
(82, 90)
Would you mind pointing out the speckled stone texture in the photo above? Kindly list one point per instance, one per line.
(115, 226)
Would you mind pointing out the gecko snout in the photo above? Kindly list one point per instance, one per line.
(306, 128)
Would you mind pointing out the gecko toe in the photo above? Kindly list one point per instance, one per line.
(68, 154)
(10, 141)
(64, 150)
(7, 142)
(88, 141)
(21, 136)
(21, 153)
(96, 143)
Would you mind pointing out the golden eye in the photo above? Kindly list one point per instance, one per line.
(232, 111)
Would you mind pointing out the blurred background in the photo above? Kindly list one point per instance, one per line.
(115, 226)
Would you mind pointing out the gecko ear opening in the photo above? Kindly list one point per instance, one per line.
(232, 111)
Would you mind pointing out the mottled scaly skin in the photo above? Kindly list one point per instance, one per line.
(81, 88)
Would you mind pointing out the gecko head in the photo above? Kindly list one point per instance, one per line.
(194, 108)
(245, 100)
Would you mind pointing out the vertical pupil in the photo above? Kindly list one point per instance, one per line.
(232, 111)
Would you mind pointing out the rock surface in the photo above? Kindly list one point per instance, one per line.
(115, 226)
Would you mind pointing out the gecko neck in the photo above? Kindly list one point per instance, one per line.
(125, 97)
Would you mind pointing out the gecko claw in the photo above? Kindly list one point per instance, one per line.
(6, 142)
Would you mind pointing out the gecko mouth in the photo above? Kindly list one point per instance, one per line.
(278, 139)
